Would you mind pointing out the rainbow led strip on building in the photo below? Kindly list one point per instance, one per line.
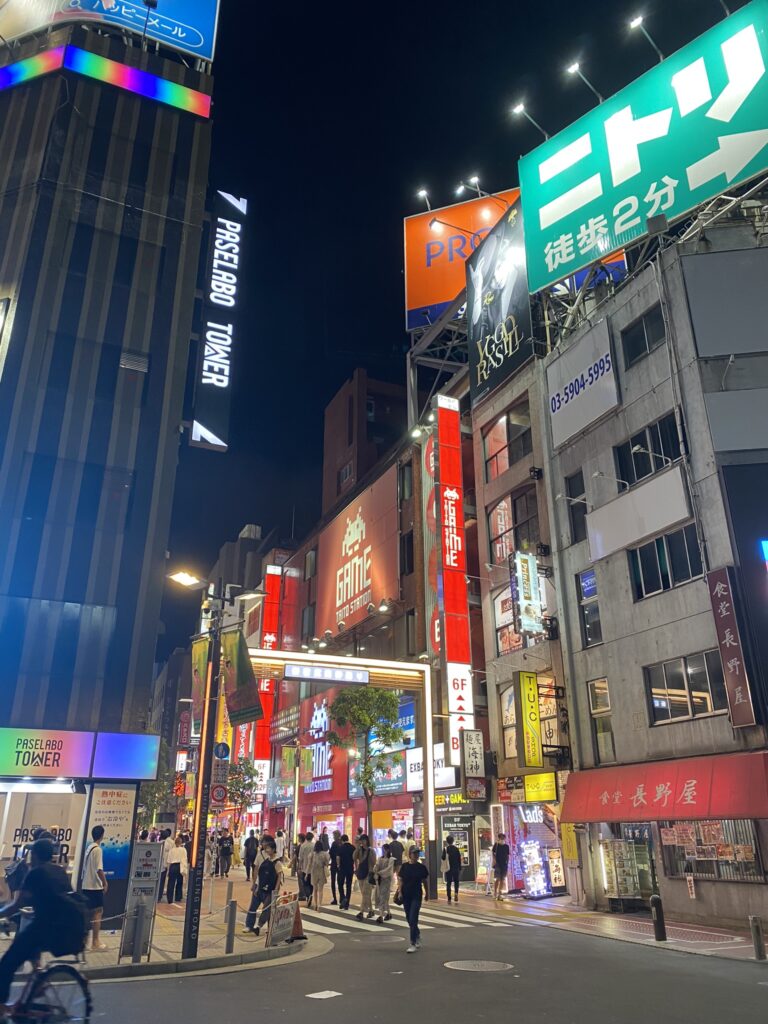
(81, 62)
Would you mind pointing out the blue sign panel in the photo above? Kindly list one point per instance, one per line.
(186, 25)
(588, 582)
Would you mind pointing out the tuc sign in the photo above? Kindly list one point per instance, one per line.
(680, 135)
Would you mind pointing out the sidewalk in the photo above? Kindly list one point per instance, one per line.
(559, 912)
(167, 937)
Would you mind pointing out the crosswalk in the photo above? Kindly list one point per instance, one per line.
(332, 921)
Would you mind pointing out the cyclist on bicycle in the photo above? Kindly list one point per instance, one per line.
(58, 926)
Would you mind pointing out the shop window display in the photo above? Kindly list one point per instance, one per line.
(718, 851)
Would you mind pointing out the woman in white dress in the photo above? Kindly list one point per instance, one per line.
(318, 872)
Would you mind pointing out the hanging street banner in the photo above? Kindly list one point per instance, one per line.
(199, 673)
(689, 129)
(498, 307)
(220, 328)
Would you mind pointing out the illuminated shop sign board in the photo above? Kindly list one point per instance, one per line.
(51, 754)
(453, 598)
(91, 65)
(213, 391)
(326, 674)
(185, 25)
(689, 129)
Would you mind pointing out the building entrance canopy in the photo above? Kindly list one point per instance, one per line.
(724, 786)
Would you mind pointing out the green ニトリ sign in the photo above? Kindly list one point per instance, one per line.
(682, 134)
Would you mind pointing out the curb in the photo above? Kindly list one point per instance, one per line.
(199, 965)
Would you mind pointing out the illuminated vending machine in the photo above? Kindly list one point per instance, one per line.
(535, 871)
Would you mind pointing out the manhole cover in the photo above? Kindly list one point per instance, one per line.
(477, 965)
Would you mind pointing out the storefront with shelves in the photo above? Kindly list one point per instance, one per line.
(694, 830)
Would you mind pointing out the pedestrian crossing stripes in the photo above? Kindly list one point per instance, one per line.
(332, 921)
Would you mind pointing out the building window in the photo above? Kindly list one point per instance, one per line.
(589, 609)
(602, 726)
(406, 554)
(577, 506)
(686, 687)
(507, 640)
(406, 481)
(513, 525)
(343, 477)
(350, 420)
(665, 562)
(310, 563)
(308, 622)
(370, 409)
(643, 336)
(719, 851)
(507, 441)
(647, 452)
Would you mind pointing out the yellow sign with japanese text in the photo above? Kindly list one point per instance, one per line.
(568, 843)
(531, 720)
(540, 788)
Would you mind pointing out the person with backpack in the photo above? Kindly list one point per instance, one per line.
(95, 884)
(364, 862)
(451, 864)
(60, 916)
(250, 849)
(267, 883)
(396, 850)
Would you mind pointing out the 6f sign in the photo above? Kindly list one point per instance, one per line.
(680, 135)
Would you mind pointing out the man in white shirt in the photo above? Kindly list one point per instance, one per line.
(95, 884)
(167, 845)
(306, 850)
(280, 844)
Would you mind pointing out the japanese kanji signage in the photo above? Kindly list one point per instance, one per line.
(693, 788)
(473, 754)
(686, 131)
(731, 654)
(453, 598)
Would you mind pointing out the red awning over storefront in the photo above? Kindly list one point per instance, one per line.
(723, 786)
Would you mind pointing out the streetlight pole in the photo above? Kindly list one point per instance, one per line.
(192, 915)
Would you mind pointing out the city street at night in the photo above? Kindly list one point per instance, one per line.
(554, 978)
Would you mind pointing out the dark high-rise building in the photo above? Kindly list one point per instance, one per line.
(102, 203)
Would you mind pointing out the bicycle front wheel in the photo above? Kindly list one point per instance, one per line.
(58, 995)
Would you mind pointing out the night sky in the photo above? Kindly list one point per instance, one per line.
(329, 118)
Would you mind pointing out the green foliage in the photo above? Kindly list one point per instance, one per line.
(153, 795)
(356, 711)
(241, 787)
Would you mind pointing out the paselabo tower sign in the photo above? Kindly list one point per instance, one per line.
(685, 132)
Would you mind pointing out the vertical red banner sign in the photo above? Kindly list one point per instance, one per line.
(270, 624)
(723, 601)
(453, 595)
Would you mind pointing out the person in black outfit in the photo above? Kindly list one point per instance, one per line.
(250, 849)
(226, 849)
(452, 868)
(59, 925)
(346, 868)
(334, 851)
(500, 854)
(413, 875)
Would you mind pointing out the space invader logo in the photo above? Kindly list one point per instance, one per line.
(682, 134)
(353, 578)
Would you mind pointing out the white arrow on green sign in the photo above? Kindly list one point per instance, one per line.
(682, 134)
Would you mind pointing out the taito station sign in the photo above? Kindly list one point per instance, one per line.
(686, 131)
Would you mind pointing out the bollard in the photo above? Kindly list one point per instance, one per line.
(230, 897)
(231, 922)
(657, 913)
(758, 939)
(138, 934)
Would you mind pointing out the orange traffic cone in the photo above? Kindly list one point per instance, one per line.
(298, 927)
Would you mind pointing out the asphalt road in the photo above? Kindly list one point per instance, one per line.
(557, 978)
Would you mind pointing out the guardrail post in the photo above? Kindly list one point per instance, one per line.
(231, 922)
(758, 938)
(657, 913)
(138, 934)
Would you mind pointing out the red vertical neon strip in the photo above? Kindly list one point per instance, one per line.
(450, 489)
(270, 622)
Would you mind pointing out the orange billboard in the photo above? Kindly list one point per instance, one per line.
(358, 557)
(437, 243)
